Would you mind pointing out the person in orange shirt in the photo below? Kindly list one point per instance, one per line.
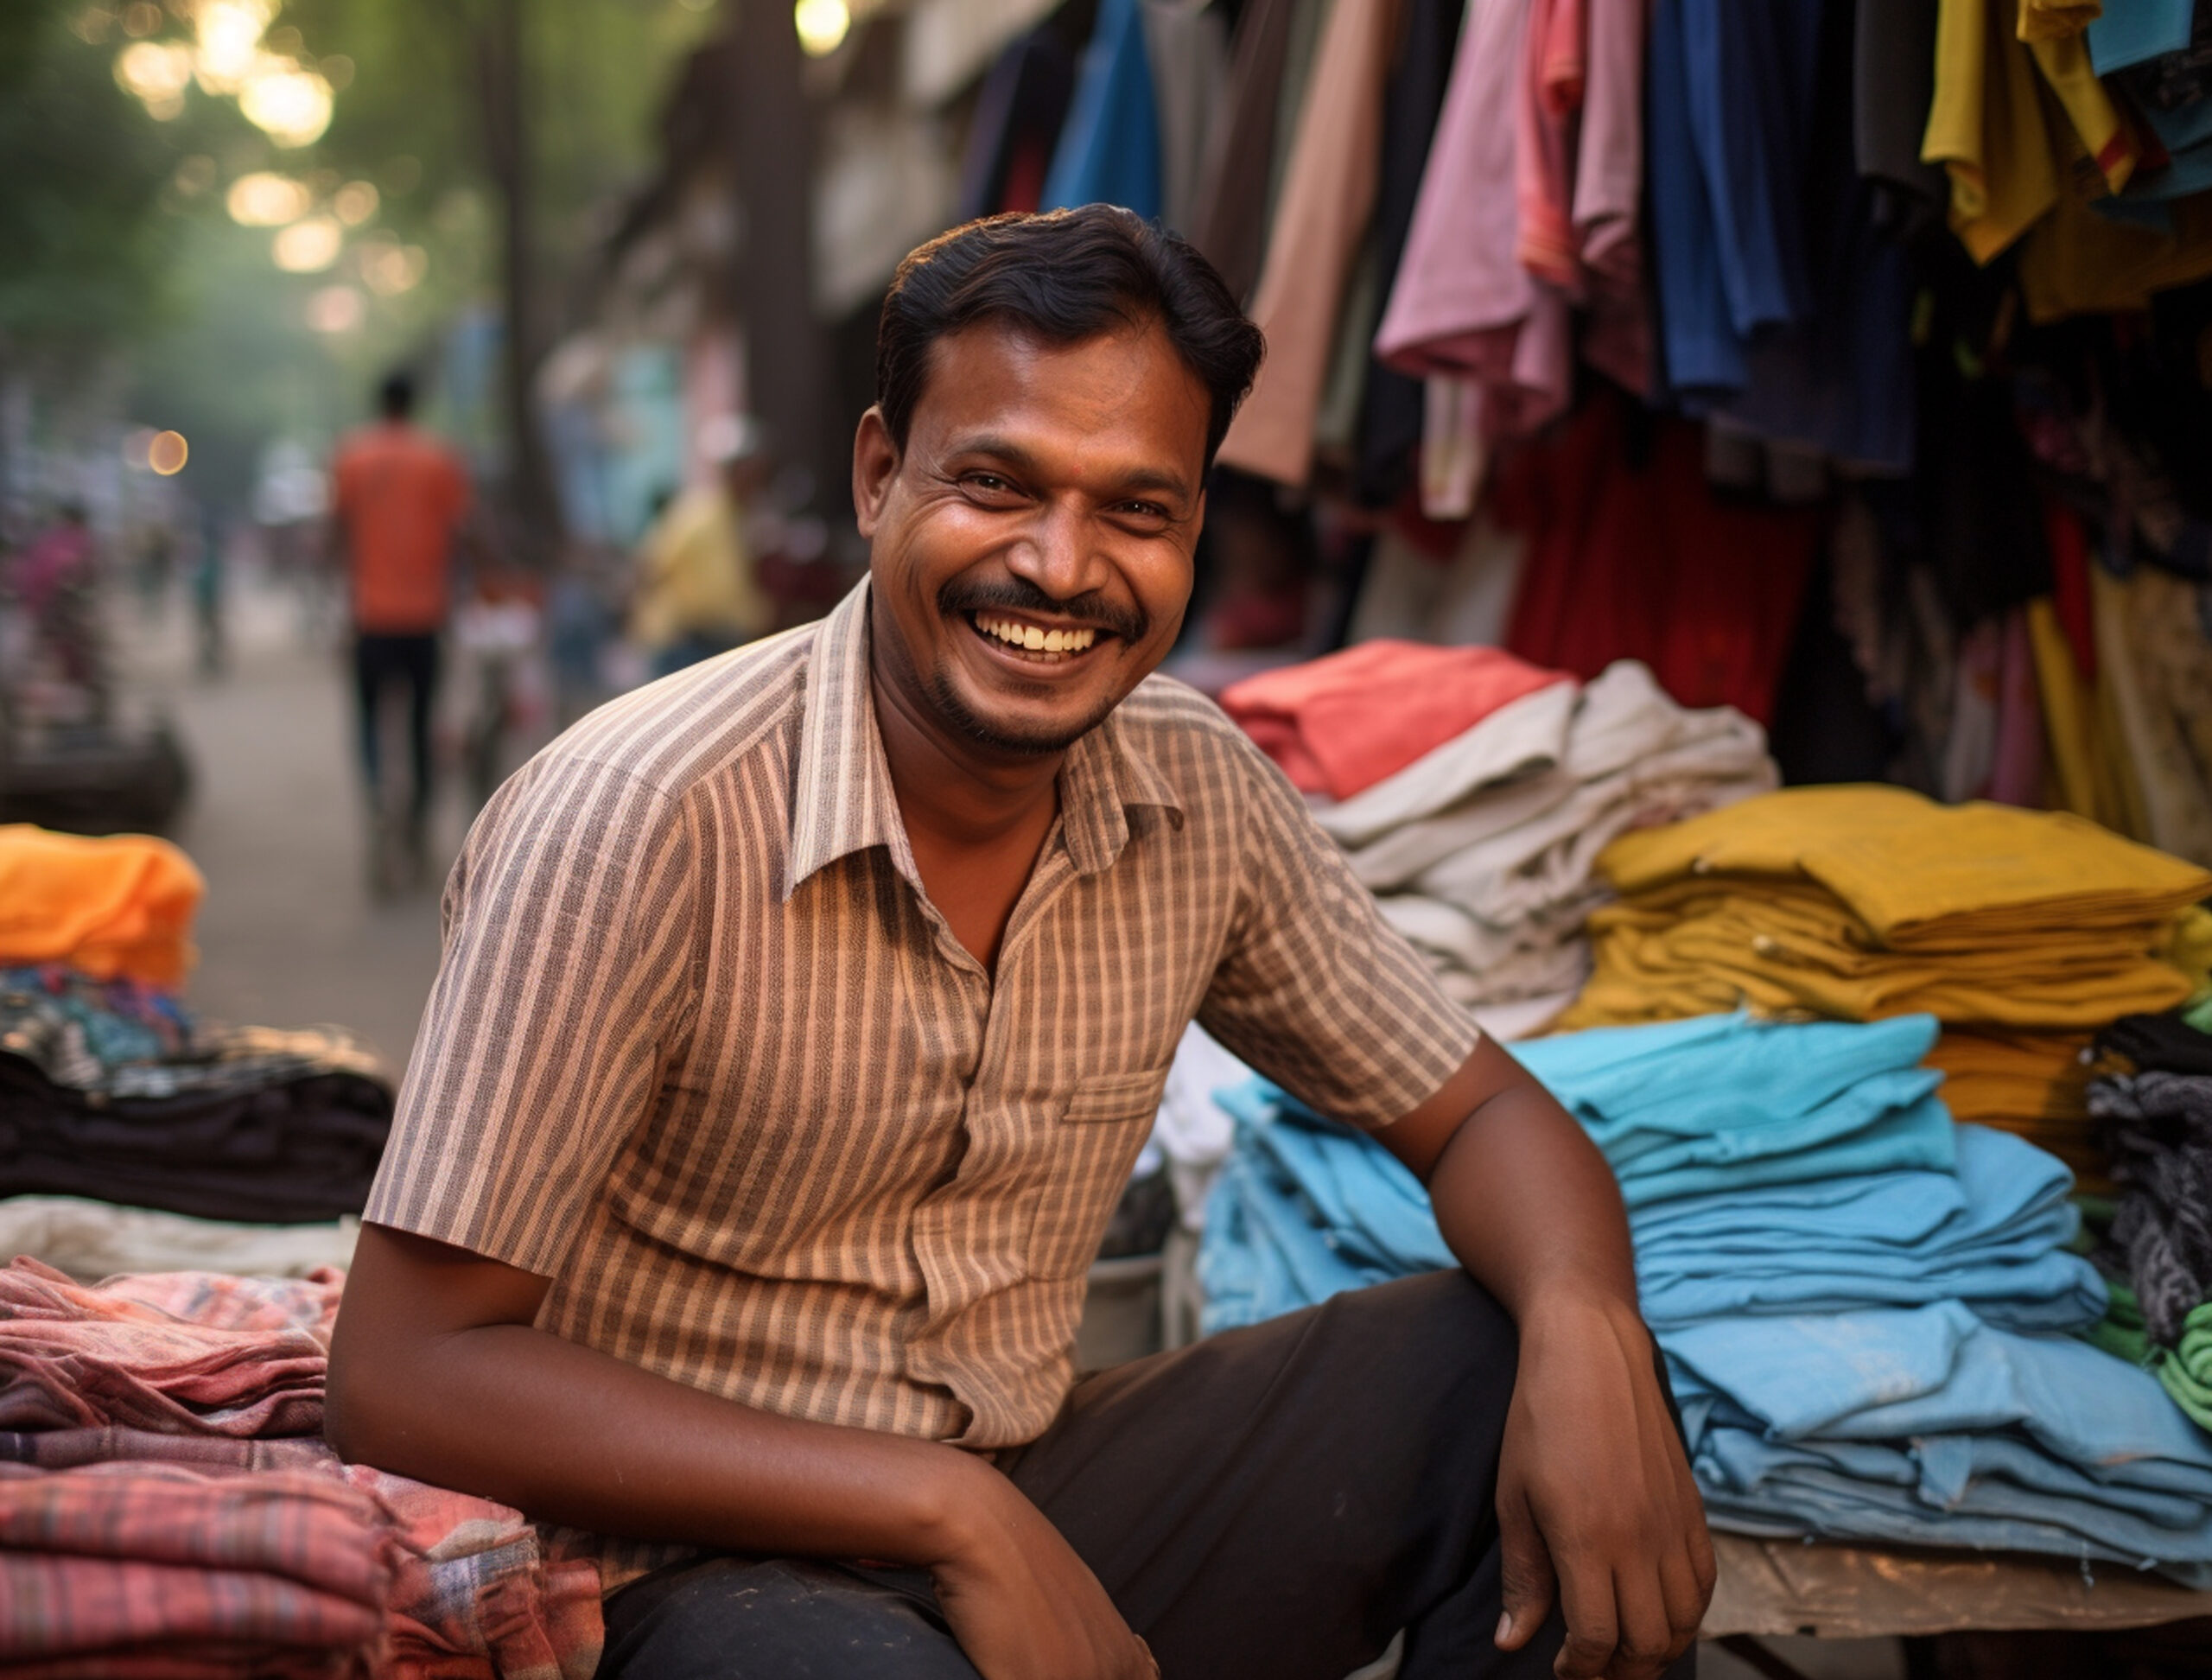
(399, 508)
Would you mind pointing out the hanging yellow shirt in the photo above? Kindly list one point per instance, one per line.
(1985, 129)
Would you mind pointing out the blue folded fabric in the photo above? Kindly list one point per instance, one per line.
(1725, 1102)
(1851, 1323)
(1992, 1235)
(1932, 1426)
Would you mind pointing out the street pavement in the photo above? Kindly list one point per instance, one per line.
(290, 934)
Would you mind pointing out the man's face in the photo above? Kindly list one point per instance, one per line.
(1031, 546)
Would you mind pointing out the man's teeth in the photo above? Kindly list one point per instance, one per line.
(1029, 637)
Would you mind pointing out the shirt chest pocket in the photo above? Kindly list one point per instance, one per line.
(1086, 1153)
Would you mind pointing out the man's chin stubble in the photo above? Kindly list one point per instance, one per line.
(966, 724)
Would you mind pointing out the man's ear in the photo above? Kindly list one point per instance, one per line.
(875, 463)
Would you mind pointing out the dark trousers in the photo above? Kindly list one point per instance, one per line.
(1274, 1502)
(380, 661)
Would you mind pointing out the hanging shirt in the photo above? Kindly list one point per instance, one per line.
(1109, 151)
(1462, 304)
(1986, 129)
(1229, 221)
(1327, 198)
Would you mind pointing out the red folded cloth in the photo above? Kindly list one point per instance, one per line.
(178, 1352)
(1345, 721)
(124, 1568)
(171, 1510)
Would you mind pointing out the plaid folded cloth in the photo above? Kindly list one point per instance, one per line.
(187, 1387)
(125, 1563)
(179, 1352)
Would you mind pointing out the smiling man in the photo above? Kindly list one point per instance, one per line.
(800, 1020)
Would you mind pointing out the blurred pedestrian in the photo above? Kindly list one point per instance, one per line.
(56, 580)
(399, 506)
(208, 593)
(698, 593)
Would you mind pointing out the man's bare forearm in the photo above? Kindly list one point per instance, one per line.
(1521, 1195)
(1531, 1208)
(515, 1414)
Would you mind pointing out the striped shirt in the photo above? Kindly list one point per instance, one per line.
(702, 1053)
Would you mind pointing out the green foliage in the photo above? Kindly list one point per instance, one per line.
(115, 243)
(83, 241)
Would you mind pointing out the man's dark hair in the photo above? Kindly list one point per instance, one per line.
(1064, 275)
(395, 396)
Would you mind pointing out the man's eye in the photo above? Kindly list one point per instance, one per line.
(990, 483)
(1145, 510)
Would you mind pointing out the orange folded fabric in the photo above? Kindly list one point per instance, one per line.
(119, 907)
(1343, 722)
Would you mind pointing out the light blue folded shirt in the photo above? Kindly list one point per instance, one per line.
(1836, 1337)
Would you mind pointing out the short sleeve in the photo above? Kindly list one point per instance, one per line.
(566, 978)
(456, 490)
(1314, 988)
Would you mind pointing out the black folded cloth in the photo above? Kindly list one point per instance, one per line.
(2157, 1127)
(249, 1124)
(2163, 1043)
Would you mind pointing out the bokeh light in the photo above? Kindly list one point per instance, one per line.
(290, 106)
(229, 41)
(308, 246)
(265, 199)
(388, 268)
(354, 202)
(156, 72)
(194, 175)
(822, 24)
(167, 452)
(336, 309)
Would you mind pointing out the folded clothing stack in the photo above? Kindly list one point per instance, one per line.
(109, 1093)
(163, 1571)
(164, 1490)
(2154, 1111)
(1864, 1306)
(116, 907)
(1480, 845)
(2022, 932)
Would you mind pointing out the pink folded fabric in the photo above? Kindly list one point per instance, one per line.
(73, 1356)
(125, 1567)
(164, 1489)
(1343, 722)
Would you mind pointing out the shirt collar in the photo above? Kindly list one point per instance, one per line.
(843, 801)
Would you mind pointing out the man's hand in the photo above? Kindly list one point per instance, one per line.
(1594, 1497)
(1023, 1606)
(1595, 1502)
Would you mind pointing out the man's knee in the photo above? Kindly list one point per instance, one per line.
(1438, 1327)
(780, 1619)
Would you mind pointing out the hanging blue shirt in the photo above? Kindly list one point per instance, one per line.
(1109, 152)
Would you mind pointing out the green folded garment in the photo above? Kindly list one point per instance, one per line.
(2184, 1370)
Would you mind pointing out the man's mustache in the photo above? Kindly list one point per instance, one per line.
(1019, 594)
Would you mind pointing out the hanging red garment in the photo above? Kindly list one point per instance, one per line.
(1631, 556)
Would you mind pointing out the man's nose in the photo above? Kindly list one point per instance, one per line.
(1059, 555)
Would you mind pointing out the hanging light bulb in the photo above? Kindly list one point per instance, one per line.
(822, 24)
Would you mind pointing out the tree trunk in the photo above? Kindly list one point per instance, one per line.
(788, 370)
(505, 105)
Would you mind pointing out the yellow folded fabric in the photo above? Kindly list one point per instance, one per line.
(116, 907)
(1918, 872)
(2189, 949)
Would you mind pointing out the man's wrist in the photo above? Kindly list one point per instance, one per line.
(1577, 1298)
(953, 1498)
